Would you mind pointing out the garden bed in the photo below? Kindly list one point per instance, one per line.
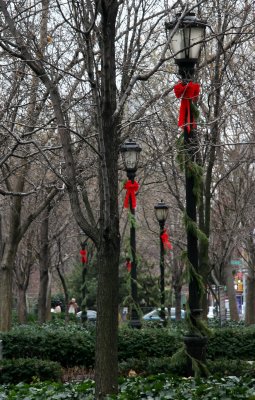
(159, 387)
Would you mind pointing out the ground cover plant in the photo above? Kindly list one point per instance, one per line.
(160, 387)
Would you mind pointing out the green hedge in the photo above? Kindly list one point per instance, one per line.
(73, 345)
(232, 343)
(147, 343)
(68, 346)
(29, 370)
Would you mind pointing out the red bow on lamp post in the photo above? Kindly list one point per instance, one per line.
(131, 188)
(188, 93)
(165, 240)
(128, 265)
(83, 254)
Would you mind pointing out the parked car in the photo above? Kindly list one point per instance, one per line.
(211, 312)
(91, 315)
(154, 315)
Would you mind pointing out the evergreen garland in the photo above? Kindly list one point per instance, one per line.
(132, 219)
(195, 326)
(180, 360)
(196, 171)
(193, 228)
(194, 110)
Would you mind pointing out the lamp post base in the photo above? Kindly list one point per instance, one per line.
(196, 348)
(135, 324)
(84, 317)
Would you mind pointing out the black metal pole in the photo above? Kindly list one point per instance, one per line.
(195, 344)
(134, 320)
(191, 210)
(162, 274)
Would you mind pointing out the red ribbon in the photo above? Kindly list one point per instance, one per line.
(83, 254)
(128, 265)
(165, 240)
(187, 93)
(131, 188)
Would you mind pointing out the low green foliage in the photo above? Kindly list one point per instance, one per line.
(159, 387)
(162, 387)
(28, 370)
(49, 391)
(223, 367)
(156, 365)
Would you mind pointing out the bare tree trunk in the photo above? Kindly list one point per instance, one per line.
(107, 308)
(250, 288)
(6, 293)
(178, 305)
(7, 263)
(63, 282)
(231, 294)
(109, 249)
(44, 263)
(250, 299)
(22, 305)
(22, 272)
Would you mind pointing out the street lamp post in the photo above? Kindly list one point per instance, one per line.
(130, 152)
(161, 212)
(187, 36)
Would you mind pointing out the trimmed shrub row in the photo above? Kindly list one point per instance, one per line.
(29, 370)
(71, 346)
(232, 343)
(147, 343)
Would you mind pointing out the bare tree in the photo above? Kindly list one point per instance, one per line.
(94, 93)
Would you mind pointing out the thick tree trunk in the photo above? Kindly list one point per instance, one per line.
(109, 249)
(8, 259)
(5, 297)
(6, 279)
(22, 274)
(107, 326)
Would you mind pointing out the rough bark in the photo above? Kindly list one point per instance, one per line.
(8, 258)
(44, 264)
(22, 270)
(63, 281)
(109, 250)
(22, 305)
(107, 324)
